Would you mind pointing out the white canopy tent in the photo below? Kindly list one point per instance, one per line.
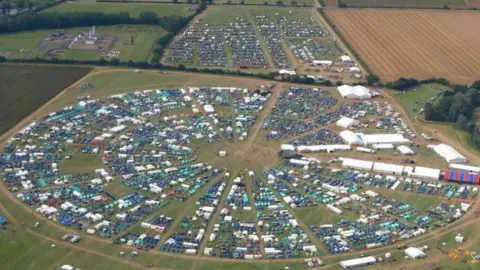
(347, 122)
(448, 153)
(358, 91)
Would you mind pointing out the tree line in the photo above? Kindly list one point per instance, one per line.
(55, 20)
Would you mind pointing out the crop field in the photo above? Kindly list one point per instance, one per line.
(133, 9)
(418, 44)
(25, 88)
(407, 3)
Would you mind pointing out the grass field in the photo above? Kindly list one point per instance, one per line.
(133, 9)
(24, 44)
(406, 3)
(237, 2)
(18, 45)
(25, 88)
(420, 44)
(414, 99)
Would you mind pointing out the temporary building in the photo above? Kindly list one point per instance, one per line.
(383, 146)
(356, 164)
(208, 108)
(354, 69)
(369, 139)
(359, 262)
(415, 253)
(346, 59)
(462, 177)
(351, 138)
(358, 91)
(347, 122)
(405, 150)
(448, 153)
(323, 148)
(463, 167)
(387, 168)
(322, 62)
(299, 162)
(287, 72)
(424, 172)
(284, 147)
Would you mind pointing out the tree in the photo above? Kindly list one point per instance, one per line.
(372, 79)
(175, 1)
(294, 3)
(462, 122)
(242, 2)
(229, 2)
(265, 3)
(476, 85)
(190, 1)
(280, 3)
(131, 40)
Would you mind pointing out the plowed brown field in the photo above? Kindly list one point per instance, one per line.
(418, 44)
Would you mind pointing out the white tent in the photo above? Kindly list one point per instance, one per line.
(369, 139)
(405, 150)
(423, 172)
(208, 108)
(387, 168)
(324, 148)
(448, 153)
(415, 253)
(351, 138)
(359, 262)
(357, 91)
(346, 59)
(356, 164)
(347, 122)
(322, 62)
(463, 167)
(383, 146)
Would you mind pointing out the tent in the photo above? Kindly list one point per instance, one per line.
(415, 253)
(351, 138)
(423, 172)
(358, 91)
(347, 122)
(448, 153)
(356, 164)
(405, 150)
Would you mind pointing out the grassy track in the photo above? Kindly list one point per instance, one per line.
(25, 88)
(133, 9)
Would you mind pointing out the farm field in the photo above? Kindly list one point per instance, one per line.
(133, 9)
(418, 44)
(35, 44)
(407, 3)
(32, 88)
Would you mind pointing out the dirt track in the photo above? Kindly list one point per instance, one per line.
(420, 44)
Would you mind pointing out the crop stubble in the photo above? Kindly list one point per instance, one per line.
(419, 44)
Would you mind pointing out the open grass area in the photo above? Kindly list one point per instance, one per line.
(26, 44)
(414, 99)
(133, 9)
(321, 215)
(25, 88)
(19, 45)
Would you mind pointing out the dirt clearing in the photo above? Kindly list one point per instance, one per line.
(419, 44)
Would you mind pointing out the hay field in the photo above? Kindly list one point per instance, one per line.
(419, 44)
(407, 3)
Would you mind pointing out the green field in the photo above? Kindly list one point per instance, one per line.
(25, 88)
(24, 44)
(19, 45)
(410, 3)
(133, 9)
(414, 99)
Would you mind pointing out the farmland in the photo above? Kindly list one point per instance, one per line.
(407, 3)
(418, 44)
(133, 9)
(25, 88)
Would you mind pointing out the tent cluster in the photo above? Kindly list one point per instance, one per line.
(232, 110)
(295, 105)
(311, 50)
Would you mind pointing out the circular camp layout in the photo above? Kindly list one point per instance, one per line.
(273, 172)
